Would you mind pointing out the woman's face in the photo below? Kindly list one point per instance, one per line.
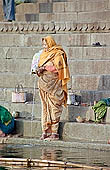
(45, 46)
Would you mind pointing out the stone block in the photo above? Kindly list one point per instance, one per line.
(25, 110)
(1, 8)
(87, 82)
(1, 17)
(33, 40)
(71, 6)
(58, 17)
(27, 128)
(96, 53)
(104, 39)
(45, 7)
(63, 39)
(9, 80)
(89, 67)
(109, 4)
(59, 0)
(107, 117)
(75, 53)
(93, 16)
(20, 17)
(44, 1)
(30, 93)
(4, 52)
(91, 82)
(98, 5)
(91, 96)
(2, 94)
(45, 17)
(91, 132)
(15, 66)
(27, 8)
(2, 65)
(72, 112)
(31, 17)
(58, 7)
(18, 52)
(11, 40)
(73, 39)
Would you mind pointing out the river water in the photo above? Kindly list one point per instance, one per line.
(80, 156)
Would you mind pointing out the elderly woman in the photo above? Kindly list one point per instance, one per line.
(53, 75)
(6, 122)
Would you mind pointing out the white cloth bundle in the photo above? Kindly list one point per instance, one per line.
(35, 61)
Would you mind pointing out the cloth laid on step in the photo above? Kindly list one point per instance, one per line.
(6, 121)
(100, 109)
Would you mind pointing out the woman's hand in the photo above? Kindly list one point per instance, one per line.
(40, 70)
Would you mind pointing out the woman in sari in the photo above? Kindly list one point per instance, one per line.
(53, 75)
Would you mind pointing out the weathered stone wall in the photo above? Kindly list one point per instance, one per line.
(89, 64)
(64, 10)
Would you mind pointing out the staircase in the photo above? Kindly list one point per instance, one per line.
(64, 10)
(77, 26)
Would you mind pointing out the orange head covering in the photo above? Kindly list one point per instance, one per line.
(58, 55)
(50, 41)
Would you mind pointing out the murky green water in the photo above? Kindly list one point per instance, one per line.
(82, 156)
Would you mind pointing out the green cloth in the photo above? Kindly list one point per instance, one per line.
(107, 101)
(5, 115)
(100, 110)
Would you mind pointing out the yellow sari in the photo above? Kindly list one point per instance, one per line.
(53, 85)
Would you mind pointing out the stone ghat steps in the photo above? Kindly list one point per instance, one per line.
(77, 11)
(75, 53)
(69, 131)
(66, 38)
(77, 83)
(71, 145)
(69, 114)
(87, 96)
(77, 67)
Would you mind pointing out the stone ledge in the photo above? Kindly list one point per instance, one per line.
(60, 143)
(53, 27)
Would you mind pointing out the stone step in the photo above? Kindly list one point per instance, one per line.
(78, 53)
(87, 96)
(86, 131)
(27, 8)
(77, 11)
(70, 113)
(77, 67)
(77, 82)
(58, 11)
(72, 17)
(63, 7)
(74, 39)
(69, 131)
(80, 6)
